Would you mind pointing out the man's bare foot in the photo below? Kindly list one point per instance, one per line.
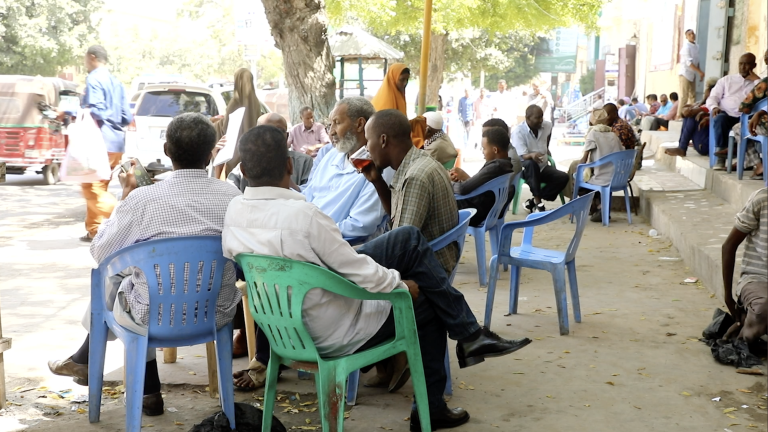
(758, 170)
(242, 381)
(674, 151)
(250, 379)
(240, 344)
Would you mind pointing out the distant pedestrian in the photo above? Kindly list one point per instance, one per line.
(105, 97)
(466, 115)
(689, 67)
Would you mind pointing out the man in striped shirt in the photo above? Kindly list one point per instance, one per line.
(748, 304)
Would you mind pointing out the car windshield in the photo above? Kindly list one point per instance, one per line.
(172, 103)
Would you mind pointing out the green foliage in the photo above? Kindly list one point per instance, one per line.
(44, 36)
(587, 82)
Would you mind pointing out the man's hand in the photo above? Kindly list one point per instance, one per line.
(458, 174)
(128, 180)
(701, 75)
(715, 111)
(413, 288)
(755, 120)
(219, 145)
(372, 173)
(704, 123)
(736, 312)
(215, 119)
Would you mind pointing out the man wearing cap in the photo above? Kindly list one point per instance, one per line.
(599, 142)
(437, 143)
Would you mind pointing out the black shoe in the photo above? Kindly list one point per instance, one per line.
(530, 205)
(86, 238)
(445, 418)
(488, 344)
(152, 405)
(540, 208)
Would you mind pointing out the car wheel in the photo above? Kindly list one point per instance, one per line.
(51, 174)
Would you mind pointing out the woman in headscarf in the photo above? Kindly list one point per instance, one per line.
(245, 96)
(391, 95)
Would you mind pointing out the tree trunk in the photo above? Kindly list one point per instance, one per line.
(436, 66)
(300, 30)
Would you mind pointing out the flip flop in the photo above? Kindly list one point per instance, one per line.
(243, 388)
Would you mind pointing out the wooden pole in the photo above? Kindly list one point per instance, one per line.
(425, 41)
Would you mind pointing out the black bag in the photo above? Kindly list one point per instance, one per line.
(721, 322)
(247, 419)
(735, 352)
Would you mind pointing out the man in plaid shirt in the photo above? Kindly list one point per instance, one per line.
(187, 203)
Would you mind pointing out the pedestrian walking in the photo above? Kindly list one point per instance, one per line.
(466, 116)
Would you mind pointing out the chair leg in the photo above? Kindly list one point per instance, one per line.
(480, 252)
(352, 384)
(561, 299)
(224, 361)
(250, 329)
(742, 153)
(448, 386)
(628, 205)
(213, 373)
(270, 389)
(169, 355)
(516, 199)
(606, 204)
(632, 194)
(729, 159)
(493, 233)
(562, 199)
(574, 285)
(514, 288)
(330, 394)
(96, 354)
(136, 367)
(419, 383)
(491, 291)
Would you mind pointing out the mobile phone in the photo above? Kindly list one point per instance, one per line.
(142, 177)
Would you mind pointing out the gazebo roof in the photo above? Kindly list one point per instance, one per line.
(352, 42)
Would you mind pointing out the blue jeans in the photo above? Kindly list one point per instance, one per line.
(690, 132)
(722, 125)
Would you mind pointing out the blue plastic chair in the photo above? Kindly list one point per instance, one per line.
(457, 235)
(762, 105)
(500, 188)
(165, 263)
(623, 163)
(555, 262)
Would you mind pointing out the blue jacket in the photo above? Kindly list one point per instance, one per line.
(105, 97)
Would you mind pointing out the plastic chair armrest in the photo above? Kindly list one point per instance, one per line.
(474, 193)
(359, 293)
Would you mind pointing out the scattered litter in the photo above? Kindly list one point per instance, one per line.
(691, 280)
(653, 233)
(717, 399)
(192, 373)
(610, 383)
(668, 259)
(745, 391)
(728, 410)
(749, 371)
(671, 334)
(172, 409)
(79, 399)
(745, 406)
(685, 393)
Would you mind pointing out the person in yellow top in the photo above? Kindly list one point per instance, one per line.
(391, 95)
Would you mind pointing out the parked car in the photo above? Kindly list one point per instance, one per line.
(31, 137)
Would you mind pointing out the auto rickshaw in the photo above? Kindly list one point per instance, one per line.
(31, 137)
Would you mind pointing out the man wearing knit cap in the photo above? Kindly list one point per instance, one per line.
(437, 143)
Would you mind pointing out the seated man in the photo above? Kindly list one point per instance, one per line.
(662, 120)
(759, 92)
(600, 141)
(530, 140)
(400, 258)
(308, 136)
(621, 128)
(192, 205)
(627, 111)
(437, 143)
(336, 186)
(498, 162)
(302, 162)
(695, 126)
(639, 107)
(748, 304)
(723, 103)
(661, 108)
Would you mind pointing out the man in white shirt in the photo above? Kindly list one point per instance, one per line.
(724, 100)
(271, 219)
(543, 99)
(530, 139)
(689, 67)
(503, 102)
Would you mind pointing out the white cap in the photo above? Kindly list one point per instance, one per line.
(434, 120)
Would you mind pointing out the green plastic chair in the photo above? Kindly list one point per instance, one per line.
(521, 182)
(279, 316)
(450, 164)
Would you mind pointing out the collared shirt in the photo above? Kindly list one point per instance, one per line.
(279, 222)
(186, 203)
(627, 113)
(655, 107)
(728, 94)
(625, 133)
(300, 137)
(664, 109)
(105, 97)
(689, 55)
(601, 141)
(505, 106)
(524, 141)
(482, 109)
(753, 221)
(640, 108)
(346, 196)
(302, 167)
(466, 110)
(441, 148)
(422, 197)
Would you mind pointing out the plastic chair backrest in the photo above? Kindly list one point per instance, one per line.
(457, 234)
(516, 183)
(578, 207)
(450, 164)
(760, 105)
(623, 165)
(184, 278)
(276, 290)
(500, 188)
(638, 160)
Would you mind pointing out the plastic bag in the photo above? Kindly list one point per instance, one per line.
(86, 160)
(247, 418)
(721, 322)
(735, 352)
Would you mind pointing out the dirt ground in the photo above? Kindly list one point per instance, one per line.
(634, 362)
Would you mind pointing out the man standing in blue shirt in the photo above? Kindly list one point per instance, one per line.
(105, 97)
(467, 115)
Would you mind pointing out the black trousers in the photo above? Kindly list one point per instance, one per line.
(658, 122)
(556, 180)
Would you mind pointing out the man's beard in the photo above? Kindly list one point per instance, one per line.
(346, 143)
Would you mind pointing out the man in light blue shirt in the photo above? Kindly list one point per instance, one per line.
(666, 106)
(336, 187)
